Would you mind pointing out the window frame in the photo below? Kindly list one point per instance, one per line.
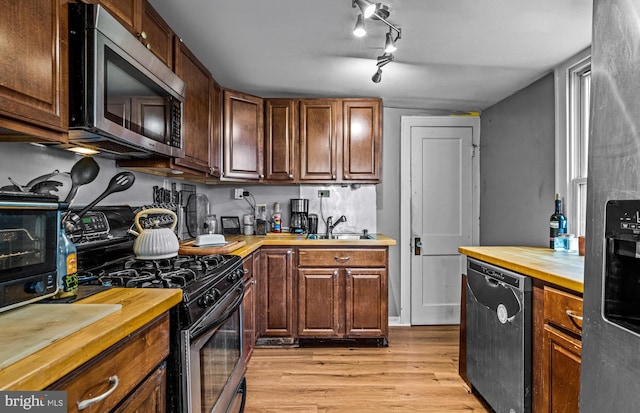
(569, 125)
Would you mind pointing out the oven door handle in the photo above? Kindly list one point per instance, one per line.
(213, 319)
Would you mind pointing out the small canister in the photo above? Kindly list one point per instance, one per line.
(247, 221)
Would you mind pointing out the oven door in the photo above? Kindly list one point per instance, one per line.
(213, 363)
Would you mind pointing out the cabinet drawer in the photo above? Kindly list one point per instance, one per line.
(342, 257)
(130, 360)
(247, 265)
(563, 309)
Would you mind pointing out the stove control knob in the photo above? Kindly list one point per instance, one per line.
(209, 298)
(235, 275)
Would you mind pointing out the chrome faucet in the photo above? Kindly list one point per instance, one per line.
(331, 225)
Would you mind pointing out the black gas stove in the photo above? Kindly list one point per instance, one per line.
(206, 327)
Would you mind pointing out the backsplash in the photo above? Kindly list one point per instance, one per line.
(23, 162)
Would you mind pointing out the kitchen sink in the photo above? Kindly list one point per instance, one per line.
(342, 236)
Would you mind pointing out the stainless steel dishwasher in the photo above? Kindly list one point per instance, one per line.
(499, 336)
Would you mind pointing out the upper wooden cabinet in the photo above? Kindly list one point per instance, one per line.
(362, 140)
(34, 67)
(141, 19)
(340, 140)
(197, 112)
(281, 140)
(243, 136)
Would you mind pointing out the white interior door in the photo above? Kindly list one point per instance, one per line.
(441, 218)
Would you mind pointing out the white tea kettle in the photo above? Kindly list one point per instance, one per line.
(157, 242)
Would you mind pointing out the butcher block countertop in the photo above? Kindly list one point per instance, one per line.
(253, 242)
(44, 367)
(555, 267)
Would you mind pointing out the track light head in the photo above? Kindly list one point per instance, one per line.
(359, 30)
(377, 76)
(390, 44)
(366, 7)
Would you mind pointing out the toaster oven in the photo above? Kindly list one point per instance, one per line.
(29, 230)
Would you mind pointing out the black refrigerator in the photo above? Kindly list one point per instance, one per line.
(610, 372)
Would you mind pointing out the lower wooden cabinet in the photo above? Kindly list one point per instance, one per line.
(276, 304)
(556, 364)
(130, 375)
(342, 293)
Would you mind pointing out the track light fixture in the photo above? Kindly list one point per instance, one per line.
(379, 12)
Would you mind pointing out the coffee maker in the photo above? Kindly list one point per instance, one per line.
(299, 216)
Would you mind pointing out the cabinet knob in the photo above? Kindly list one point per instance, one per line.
(290, 176)
(148, 46)
(333, 176)
(335, 273)
(261, 176)
(346, 177)
(341, 259)
(289, 252)
(143, 35)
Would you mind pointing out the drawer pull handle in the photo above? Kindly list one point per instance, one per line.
(342, 259)
(573, 316)
(86, 403)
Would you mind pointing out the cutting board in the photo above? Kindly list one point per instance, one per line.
(32, 327)
(187, 248)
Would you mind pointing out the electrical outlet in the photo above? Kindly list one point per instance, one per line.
(323, 193)
(238, 194)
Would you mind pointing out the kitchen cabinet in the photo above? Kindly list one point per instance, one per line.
(281, 140)
(134, 369)
(249, 303)
(243, 136)
(319, 137)
(197, 127)
(340, 140)
(276, 304)
(362, 140)
(342, 293)
(141, 19)
(561, 347)
(34, 67)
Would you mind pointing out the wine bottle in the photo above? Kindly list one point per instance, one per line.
(557, 223)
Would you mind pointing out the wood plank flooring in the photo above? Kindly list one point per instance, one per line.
(418, 372)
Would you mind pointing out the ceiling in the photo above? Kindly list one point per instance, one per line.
(454, 55)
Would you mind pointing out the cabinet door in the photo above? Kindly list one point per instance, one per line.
(319, 136)
(34, 67)
(276, 285)
(362, 140)
(129, 12)
(561, 366)
(156, 34)
(280, 140)
(243, 136)
(366, 302)
(150, 396)
(319, 302)
(197, 109)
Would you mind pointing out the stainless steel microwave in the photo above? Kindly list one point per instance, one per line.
(123, 101)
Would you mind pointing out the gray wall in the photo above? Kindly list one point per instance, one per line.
(517, 167)
(610, 362)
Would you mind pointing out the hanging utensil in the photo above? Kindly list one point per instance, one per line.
(17, 185)
(82, 172)
(119, 183)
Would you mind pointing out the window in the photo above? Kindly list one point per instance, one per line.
(573, 95)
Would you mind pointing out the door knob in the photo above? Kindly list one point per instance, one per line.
(417, 245)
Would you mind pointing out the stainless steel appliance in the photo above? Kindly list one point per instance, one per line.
(123, 100)
(299, 216)
(499, 336)
(29, 229)
(206, 363)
